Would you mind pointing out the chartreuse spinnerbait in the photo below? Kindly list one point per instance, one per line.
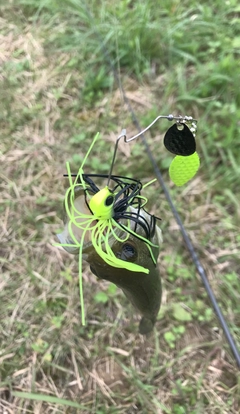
(110, 228)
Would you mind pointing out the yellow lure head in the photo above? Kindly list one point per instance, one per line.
(101, 204)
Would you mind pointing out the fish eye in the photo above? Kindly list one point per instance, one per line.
(128, 252)
(109, 200)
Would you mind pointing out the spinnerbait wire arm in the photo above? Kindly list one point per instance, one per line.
(178, 119)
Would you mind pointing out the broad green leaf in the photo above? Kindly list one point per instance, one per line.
(180, 314)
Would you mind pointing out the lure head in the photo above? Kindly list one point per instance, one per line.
(101, 204)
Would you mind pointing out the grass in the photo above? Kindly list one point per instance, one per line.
(57, 91)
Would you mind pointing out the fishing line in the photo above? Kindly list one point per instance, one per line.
(185, 236)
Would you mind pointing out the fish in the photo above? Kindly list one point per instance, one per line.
(142, 288)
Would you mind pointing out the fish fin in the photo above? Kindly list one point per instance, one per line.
(145, 326)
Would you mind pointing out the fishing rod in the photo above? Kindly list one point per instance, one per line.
(191, 249)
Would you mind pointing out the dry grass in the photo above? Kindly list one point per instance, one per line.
(106, 366)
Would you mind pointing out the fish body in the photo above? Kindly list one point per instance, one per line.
(142, 289)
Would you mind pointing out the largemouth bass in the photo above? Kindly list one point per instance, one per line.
(141, 288)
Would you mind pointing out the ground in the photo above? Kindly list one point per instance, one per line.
(57, 90)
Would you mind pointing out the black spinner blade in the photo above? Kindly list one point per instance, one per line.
(179, 140)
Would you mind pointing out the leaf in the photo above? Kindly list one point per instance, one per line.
(47, 398)
(112, 289)
(101, 297)
(169, 337)
(236, 42)
(199, 305)
(180, 314)
(163, 310)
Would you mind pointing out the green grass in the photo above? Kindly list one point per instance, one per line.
(57, 91)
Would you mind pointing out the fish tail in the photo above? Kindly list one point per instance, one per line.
(146, 325)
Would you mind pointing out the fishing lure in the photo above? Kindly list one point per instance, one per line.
(110, 228)
(103, 214)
